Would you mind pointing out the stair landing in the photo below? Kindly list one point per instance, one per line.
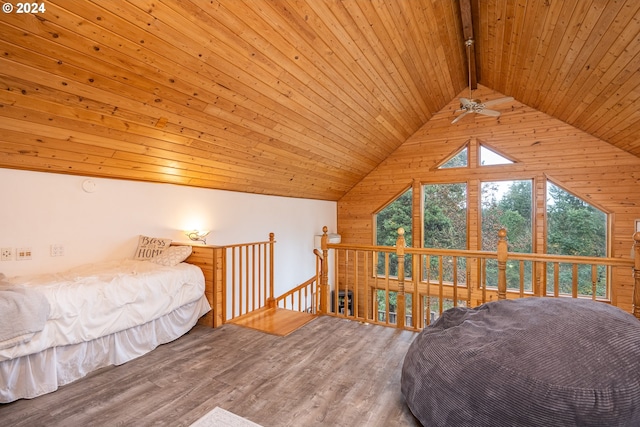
(275, 321)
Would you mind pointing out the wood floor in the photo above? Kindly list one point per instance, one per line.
(330, 372)
(275, 321)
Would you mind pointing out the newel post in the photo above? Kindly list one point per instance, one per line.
(400, 299)
(636, 275)
(502, 264)
(324, 272)
(271, 300)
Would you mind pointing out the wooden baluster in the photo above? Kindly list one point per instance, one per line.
(594, 281)
(483, 279)
(315, 292)
(262, 292)
(574, 281)
(556, 279)
(521, 271)
(250, 291)
(236, 301)
(324, 275)
(387, 310)
(271, 298)
(539, 286)
(428, 296)
(502, 264)
(400, 309)
(440, 284)
(455, 280)
(469, 281)
(220, 276)
(366, 285)
(636, 275)
(416, 317)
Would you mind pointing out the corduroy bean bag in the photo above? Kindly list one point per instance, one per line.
(526, 362)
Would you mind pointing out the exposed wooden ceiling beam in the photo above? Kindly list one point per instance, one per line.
(467, 32)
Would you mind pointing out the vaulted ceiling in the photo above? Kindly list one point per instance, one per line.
(298, 98)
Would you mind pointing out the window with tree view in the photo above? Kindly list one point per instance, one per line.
(574, 227)
(445, 227)
(393, 216)
(459, 160)
(508, 205)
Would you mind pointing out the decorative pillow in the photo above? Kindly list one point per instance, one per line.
(173, 255)
(148, 247)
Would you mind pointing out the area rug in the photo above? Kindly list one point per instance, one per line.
(218, 417)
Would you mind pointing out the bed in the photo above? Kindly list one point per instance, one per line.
(56, 328)
(526, 362)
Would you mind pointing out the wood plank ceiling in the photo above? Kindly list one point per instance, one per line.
(298, 98)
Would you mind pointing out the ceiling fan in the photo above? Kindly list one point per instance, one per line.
(470, 105)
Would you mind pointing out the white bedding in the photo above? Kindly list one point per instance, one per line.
(97, 300)
(36, 374)
(25, 311)
(101, 314)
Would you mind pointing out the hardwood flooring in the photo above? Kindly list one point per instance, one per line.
(330, 372)
(275, 321)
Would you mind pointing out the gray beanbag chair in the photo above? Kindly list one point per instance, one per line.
(526, 362)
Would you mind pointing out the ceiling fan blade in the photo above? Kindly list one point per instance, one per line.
(486, 112)
(498, 101)
(457, 119)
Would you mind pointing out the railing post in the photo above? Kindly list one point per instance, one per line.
(538, 275)
(636, 275)
(502, 264)
(400, 300)
(324, 272)
(271, 299)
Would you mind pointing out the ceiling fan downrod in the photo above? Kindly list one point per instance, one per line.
(471, 105)
(468, 43)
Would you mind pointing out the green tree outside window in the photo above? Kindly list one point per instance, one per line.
(508, 205)
(574, 227)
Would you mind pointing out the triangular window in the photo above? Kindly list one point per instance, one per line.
(459, 160)
(489, 157)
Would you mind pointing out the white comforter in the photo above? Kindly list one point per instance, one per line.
(100, 299)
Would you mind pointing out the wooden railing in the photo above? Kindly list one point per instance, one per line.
(304, 297)
(247, 281)
(410, 287)
(428, 281)
(248, 277)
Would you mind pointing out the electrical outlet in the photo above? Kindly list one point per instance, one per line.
(57, 250)
(6, 254)
(23, 254)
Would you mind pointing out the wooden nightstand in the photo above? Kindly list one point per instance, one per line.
(209, 259)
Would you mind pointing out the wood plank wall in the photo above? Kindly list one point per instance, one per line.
(544, 148)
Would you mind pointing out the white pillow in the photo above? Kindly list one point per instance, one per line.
(173, 255)
(148, 247)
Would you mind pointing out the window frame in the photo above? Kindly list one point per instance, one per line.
(539, 209)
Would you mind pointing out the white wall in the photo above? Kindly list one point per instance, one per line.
(42, 209)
